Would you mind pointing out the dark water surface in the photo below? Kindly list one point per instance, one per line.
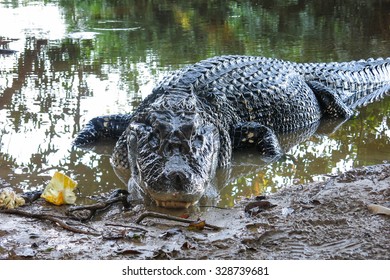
(74, 60)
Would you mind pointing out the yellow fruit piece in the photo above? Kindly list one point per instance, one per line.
(60, 190)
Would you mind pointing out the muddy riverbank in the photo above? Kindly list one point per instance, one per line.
(324, 220)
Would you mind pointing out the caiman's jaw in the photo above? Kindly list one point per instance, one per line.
(173, 204)
(176, 194)
(173, 200)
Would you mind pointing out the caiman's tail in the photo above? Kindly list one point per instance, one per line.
(111, 126)
(377, 71)
(357, 83)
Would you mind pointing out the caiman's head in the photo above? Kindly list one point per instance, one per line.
(172, 154)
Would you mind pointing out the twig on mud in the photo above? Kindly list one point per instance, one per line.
(125, 226)
(47, 217)
(215, 207)
(93, 208)
(171, 218)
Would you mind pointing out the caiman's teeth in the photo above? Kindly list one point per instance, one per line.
(173, 204)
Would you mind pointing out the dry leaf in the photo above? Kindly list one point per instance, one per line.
(185, 216)
(379, 209)
(254, 208)
(197, 225)
(125, 251)
(187, 245)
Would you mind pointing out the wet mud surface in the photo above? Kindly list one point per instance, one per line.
(324, 220)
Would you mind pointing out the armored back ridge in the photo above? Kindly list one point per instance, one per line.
(196, 116)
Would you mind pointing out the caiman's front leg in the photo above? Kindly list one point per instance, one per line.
(111, 126)
(253, 134)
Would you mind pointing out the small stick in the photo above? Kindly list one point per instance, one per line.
(125, 226)
(54, 219)
(97, 206)
(171, 218)
(215, 207)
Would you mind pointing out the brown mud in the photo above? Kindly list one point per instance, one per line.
(323, 220)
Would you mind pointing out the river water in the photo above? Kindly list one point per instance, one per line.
(64, 62)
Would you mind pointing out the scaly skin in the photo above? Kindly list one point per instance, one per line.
(195, 117)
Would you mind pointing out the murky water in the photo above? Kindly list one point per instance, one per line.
(64, 62)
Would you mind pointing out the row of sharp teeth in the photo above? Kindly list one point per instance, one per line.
(173, 204)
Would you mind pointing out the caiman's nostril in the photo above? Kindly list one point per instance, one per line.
(177, 179)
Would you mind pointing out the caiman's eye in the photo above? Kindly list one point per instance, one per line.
(162, 129)
(187, 130)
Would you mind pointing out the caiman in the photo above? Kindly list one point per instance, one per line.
(196, 116)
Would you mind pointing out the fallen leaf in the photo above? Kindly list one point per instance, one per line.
(197, 225)
(170, 232)
(185, 216)
(254, 208)
(127, 252)
(315, 202)
(379, 209)
(187, 245)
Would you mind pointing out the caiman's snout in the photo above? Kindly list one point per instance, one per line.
(176, 189)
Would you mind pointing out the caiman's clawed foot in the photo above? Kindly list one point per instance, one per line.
(252, 134)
